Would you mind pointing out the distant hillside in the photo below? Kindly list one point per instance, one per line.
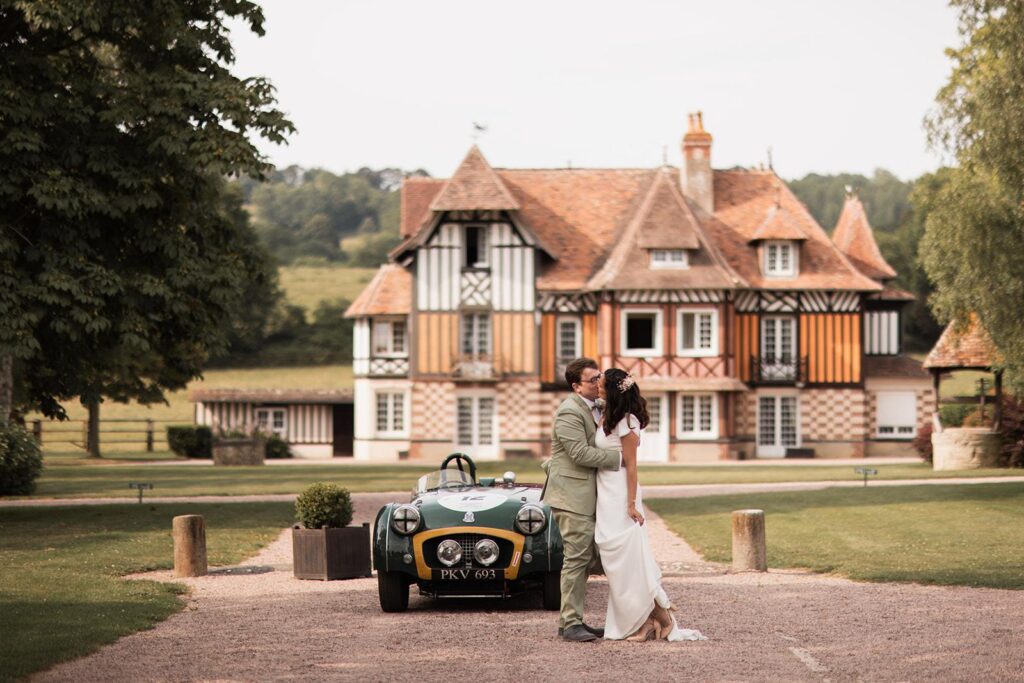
(886, 198)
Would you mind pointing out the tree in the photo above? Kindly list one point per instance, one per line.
(120, 261)
(974, 235)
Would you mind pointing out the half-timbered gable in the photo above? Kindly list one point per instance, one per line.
(747, 327)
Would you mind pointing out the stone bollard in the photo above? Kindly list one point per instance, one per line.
(189, 533)
(748, 547)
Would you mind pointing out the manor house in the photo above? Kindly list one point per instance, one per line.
(751, 332)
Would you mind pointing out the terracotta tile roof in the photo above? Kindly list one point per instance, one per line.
(580, 215)
(388, 293)
(779, 224)
(417, 194)
(474, 185)
(890, 293)
(855, 238)
(894, 366)
(663, 219)
(271, 395)
(971, 348)
(742, 200)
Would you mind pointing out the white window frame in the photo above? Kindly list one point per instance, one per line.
(475, 396)
(392, 351)
(483, 260)
(779, 449)
(794, 258)
(659, 333)
(403, 400)
(895, 427)
(271, 412)
(696, 351)
(696, 434)
(669, 259)
(577, 346)
(470, 317)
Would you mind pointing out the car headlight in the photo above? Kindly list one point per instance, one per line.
(405, 519)
(486, 552)
(449, 552)
(530, 519)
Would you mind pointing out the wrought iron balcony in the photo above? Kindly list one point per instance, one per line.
(473, 367)
(782, 369)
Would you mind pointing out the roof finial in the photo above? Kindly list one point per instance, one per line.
(849, 191)
(478, 128)
(770, 166)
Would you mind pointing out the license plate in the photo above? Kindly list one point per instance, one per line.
(468, 574)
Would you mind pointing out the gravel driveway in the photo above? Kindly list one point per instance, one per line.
(256, 622)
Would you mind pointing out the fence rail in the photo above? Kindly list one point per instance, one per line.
(147, 432)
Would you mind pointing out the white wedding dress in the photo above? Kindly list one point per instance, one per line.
(634, 579)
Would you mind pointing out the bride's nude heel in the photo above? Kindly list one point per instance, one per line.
(664, 618)
(649, 631)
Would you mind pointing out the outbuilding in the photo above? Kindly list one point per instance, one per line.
(316, 423)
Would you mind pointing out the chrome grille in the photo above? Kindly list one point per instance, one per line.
(468, 543)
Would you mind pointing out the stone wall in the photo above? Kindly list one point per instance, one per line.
(965, 448)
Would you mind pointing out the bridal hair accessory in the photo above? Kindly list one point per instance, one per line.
(626, 383)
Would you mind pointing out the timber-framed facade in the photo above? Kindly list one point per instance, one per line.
(751, 332)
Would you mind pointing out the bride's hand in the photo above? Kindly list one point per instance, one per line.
(635, 516)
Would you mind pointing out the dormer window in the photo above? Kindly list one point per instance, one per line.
(669, 258)
(474, 246)
(780, 258)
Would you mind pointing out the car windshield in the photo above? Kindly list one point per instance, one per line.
(439, 479)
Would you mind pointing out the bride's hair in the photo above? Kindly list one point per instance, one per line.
(622, 397)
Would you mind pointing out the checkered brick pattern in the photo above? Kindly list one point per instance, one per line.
(924, 399)
(518, 410)
(746, 414)
(833, 415)
(433, 410)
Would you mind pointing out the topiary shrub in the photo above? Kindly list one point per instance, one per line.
(278, 448)
(192, 441)
(20, 461)
(323, 504)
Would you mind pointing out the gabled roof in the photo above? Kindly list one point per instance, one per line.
(855, 238)
(475, 186)
(662, 212)
(779, 224)
(743, 199)
(388, 293)
(969, 348)
(581, 215)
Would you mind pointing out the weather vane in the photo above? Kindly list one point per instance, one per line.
(478, 129)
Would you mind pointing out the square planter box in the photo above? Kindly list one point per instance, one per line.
(327, 554)
(239, 452)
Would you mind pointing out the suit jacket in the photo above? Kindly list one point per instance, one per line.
(572, 471)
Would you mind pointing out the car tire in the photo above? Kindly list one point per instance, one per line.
(393, 591)
(553, 591)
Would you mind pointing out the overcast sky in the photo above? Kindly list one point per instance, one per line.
(831, 86)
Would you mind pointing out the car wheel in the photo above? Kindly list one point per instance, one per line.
(393, 591)
(553, 591)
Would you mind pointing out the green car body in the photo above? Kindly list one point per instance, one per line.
(454, 507)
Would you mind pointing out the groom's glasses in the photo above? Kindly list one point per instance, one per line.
(593, 380)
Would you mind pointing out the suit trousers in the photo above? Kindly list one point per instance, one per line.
(578, 549)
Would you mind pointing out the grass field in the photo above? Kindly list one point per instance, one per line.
(962, 535)
(89, 481)
(60, 592)
(307, 286)
(180, 409)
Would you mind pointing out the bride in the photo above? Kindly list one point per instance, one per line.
(638, 607)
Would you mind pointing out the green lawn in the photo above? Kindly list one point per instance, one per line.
(307, 286)
(956, 535)
(60, 592)
(78, 480)
(180, 410)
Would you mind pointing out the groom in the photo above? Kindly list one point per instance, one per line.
(571, 490)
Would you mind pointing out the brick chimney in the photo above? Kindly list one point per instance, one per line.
(695, 175)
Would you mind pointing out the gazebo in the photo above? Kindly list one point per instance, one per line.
(969, 348)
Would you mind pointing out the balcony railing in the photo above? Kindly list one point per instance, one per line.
(784, 369)
(472, 367)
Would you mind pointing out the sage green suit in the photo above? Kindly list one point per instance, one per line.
(571, 491)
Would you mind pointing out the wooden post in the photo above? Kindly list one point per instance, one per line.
(748, 541)
(37, 431)
(936, 421)
(189, 532)
(149, 435)
(997, 417)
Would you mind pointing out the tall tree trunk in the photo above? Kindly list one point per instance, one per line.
(6, 388)
(93, 438)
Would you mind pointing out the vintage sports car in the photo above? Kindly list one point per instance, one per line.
(460, 537)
